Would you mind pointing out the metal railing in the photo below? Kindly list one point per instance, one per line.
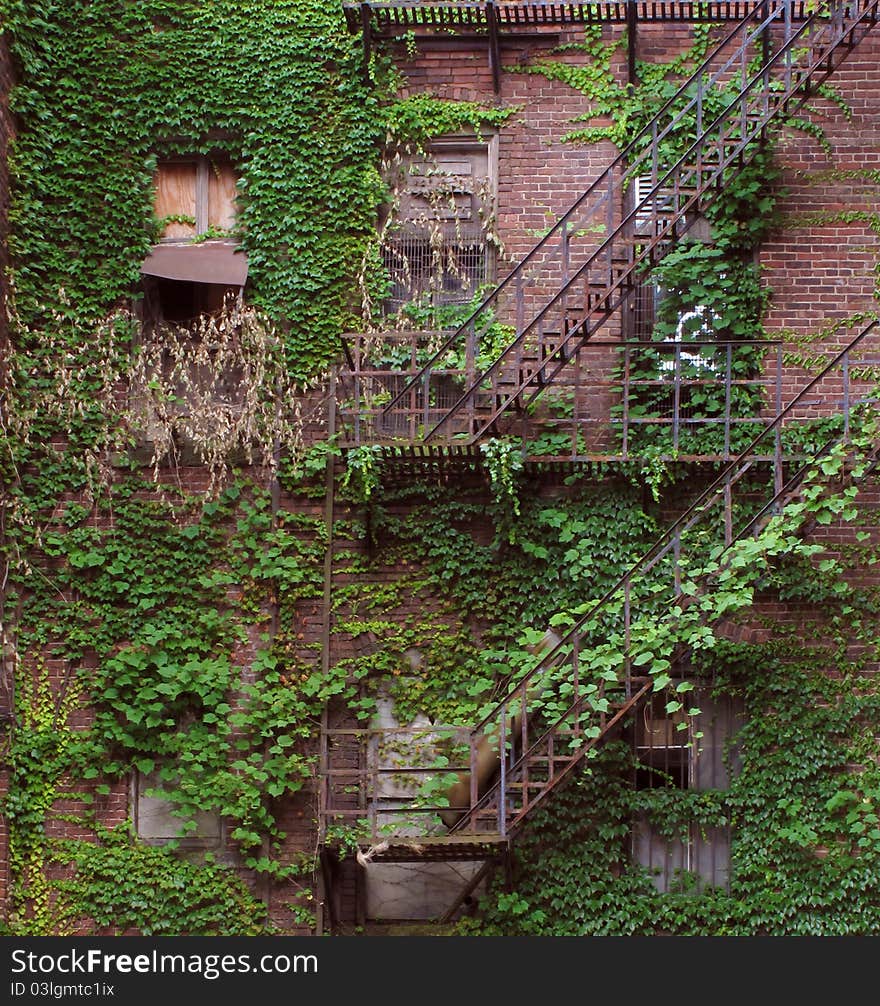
(698, 399)
(584, 686)
(578, 275)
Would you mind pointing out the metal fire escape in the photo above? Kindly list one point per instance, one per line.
(549, 720)
(579, 693)
(567, 288)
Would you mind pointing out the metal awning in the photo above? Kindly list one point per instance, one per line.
(495, 23)
(209, 262)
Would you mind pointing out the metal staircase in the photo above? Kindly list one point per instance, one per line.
(573, 283)
(582, 689)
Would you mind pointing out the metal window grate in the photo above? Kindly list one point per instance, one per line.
(435, 266)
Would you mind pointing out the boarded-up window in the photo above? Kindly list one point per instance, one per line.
(156, 824)
(436, 248)
(195, 196)
(185, 279)
(193, 291)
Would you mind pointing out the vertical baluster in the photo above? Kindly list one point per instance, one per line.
(524, 745)
(541, 347)
(426, 401)
(576, 418)
(470, 366)
(519, 297)
(846, 393)
(413, 404)
(744, 98)
(411, 416)
(609, 222)
(626, 393)
(728, 388)
(373, 776)
(837, 11)
(676, 395)
(359, 405)
(786, 38)
(627, 664)
(777, 433)
(699, 128)
(474, 793)
(575, 682)
(518, 364)
(324, 791)
(566, 251)
(766, 50)
(502, 782)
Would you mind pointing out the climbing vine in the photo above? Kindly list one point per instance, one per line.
(178, 613)
(169, 634)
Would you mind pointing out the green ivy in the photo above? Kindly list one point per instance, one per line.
(120, 887)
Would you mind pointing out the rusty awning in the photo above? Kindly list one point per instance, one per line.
(209, 262)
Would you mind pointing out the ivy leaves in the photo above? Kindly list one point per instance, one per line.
(277, 86)
(152, 891)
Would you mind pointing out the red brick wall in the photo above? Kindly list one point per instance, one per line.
(818, 272)
(820, 264)
(6, 132)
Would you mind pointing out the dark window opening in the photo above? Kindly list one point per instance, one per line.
(181, 303)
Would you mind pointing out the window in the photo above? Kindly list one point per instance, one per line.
(641, 307)
(668, 754)
(188, 386)
(436, 246)
(156, 824)
(195, 195)
(185, 278)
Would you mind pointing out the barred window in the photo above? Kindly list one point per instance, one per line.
(436, 246)
(669, 753)
(446, 265)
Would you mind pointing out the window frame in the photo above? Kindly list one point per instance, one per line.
(700, 859)
(436, 239)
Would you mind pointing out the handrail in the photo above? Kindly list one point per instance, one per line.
(779, 100)
(496, 795)
(397, 14)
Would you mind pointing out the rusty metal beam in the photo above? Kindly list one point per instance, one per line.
(494, 49)
(467, 890)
